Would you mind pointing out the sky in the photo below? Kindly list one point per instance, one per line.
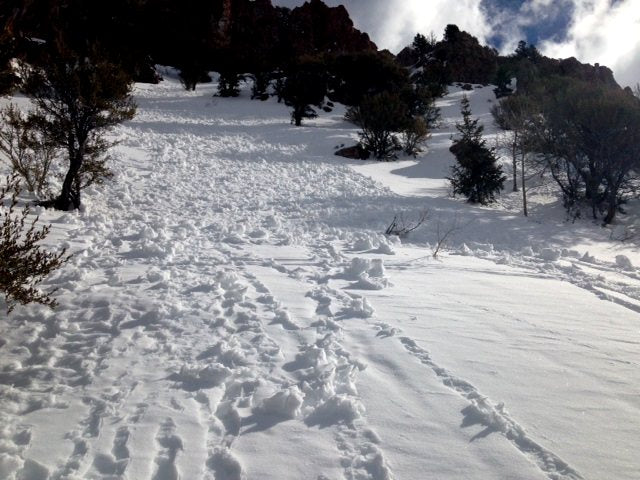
(593, 31)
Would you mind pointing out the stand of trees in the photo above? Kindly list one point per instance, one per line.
(585, 135)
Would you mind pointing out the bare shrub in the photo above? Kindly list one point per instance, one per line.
(26, 149)
(402, 227)
(444, 234)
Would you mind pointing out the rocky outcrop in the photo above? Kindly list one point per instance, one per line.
(460, 57)
(316, 27)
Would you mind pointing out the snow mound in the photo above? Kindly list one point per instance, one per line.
(285, 404)
(338, 409)
(369, 274)
(624, 263)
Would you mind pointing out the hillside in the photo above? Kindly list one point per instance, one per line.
(232, 310)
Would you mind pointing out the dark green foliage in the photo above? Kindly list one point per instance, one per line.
(477, 175)
(260, 87)
(8, 78)
(421, 103)
(24, 264)
(78, 97)
(381, 116)
(192, 73)
(356, 75)
(423, 46)
(459, 57)
(305, 88)
(530, 52)
(229, 84)
(502, 82)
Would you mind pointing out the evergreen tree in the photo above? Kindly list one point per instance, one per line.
(229, 84)
(304, 88)
(503, 82)
(477, 174)
(422, 46)
(260, 87)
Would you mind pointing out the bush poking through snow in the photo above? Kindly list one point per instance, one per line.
(443, 235)
(401, 227)
(23, 263)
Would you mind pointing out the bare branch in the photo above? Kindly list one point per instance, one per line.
(401, 227)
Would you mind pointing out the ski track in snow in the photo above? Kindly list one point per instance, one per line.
(169, 346)
(494, 418)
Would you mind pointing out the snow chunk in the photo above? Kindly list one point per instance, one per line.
(285, 404)
(385, 249)
(360, 308)
(284, 318)
(363, 243)
(369, 274)
(550, 254)
(624, 263)
(335, 410)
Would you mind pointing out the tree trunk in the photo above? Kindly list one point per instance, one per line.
(612, 208)
(69, 198)
(298, 113)
(524, 188)
(514, 156)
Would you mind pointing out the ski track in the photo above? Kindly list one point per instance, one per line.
(170, 339)
(495, 418)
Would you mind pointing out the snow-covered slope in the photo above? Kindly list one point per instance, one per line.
(232, 310)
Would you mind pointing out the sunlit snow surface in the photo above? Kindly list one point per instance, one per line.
(232, 310)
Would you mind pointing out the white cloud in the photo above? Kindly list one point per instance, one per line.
(407, 17)
(392, 24)
(603, 32)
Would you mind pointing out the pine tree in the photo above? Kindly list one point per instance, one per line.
(229, 84)
(477, 174)
(422, 46)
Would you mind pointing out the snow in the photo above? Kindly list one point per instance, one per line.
(232, 310)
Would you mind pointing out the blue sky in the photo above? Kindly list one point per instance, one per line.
(594, 31)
